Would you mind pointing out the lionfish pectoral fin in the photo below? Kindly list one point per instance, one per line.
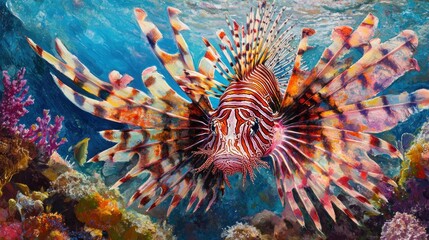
(344, 40)
(298, 75)
(378, 68)
(327, 119)
(81, 76)
(174, 63)
(377, 114)
(318, 158)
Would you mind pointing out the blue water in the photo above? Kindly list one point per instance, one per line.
(105, 36)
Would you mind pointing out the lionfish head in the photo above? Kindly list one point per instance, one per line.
(238, 141)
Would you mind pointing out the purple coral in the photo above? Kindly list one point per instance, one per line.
(44, 134)
(13, 106)
(14, 102)
(403, 226)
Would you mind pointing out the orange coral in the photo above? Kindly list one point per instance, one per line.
(98, 212)
(46, 226)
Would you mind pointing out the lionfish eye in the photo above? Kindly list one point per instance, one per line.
(254, 127)
(212, 127)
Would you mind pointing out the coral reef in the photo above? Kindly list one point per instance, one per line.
(13, 106)
(19, 146)
(98, 212)
(28, 206)
(241, 231)
(75, 186)
(45, 135)
(413, 199)
(10, 230)
(100, 209)
(46, 226)
(403, 226)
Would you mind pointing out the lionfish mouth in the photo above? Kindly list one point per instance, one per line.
(230, 164)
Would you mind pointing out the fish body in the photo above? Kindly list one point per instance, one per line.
(80, 151)
(315, 126)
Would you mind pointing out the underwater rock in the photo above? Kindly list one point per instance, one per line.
(272, 225)
(403, 226)
(242, 231)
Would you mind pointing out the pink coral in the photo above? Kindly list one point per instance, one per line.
(403, 226)
(14, 102)
(13, 106)
(45, 134)
(11, 231)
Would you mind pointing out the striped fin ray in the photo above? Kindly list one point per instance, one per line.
(343, 40)
(81, 76)
(144, 116)
(318, 158)
(298, 75)
(379, 67)
(176, 179)
(374, 115)
(200, 83)
(174, 63)
(152, 141)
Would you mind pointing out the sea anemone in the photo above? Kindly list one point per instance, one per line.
(241, 231)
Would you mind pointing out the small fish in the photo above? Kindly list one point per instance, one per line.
(80, 151)
(315, 126)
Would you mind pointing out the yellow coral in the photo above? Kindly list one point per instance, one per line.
(98, 212)
(14, 157)
(416, 160)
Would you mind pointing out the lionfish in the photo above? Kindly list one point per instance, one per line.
(315, 126)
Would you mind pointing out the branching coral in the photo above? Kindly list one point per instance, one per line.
(403, 226)
(13, 106)
(14, 102)
(45, 135)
